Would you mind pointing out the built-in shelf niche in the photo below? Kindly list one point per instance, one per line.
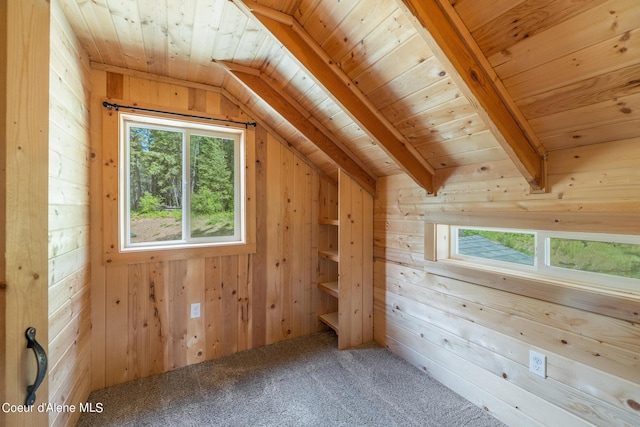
(345, 260)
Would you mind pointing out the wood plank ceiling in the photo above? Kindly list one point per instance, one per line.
(389, 85)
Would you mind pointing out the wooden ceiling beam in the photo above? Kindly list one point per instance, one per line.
(292, 112)
(452, 44)
(326, 73)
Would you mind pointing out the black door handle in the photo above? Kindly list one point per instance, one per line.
(41, 358)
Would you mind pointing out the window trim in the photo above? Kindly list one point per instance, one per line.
(187, 128)
(600, 280)
(542, 266)
(620, 305)
(107, 211)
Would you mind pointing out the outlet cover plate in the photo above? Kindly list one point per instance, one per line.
(538, 363)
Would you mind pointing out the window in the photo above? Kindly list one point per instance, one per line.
(616, 259)
(181, 184)
(502, 246)
(607, 260)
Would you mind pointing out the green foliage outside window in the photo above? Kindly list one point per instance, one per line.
(149, 203)
(617, 259)
(211, 175)
(156, 184)
(521, 242)
(609, 257)
(155, 166)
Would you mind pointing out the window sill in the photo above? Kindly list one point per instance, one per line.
(618, 304)
(169, 254)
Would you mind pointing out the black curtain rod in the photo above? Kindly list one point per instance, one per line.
(117, 107)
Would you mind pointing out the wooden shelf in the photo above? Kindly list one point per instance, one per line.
(345, 211)
(331, 320)
(329, 287)
(330, 255)
(328, 221)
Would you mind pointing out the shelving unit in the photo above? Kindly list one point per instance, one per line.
(328, 254)
(345, 260)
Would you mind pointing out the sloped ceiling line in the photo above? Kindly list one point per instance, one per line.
(438, 24)
(294, 38)
(261, 86)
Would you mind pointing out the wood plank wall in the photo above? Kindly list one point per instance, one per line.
(476, 340)
(355, 270)
(24, 138)
(247, 300)
(69, 233)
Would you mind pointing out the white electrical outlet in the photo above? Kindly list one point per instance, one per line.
(538, 363)
(195, 310)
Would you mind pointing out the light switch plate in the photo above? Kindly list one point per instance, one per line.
(195, 310)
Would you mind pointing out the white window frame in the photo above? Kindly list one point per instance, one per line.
(604, 280)
(186, 128)
(542, 266)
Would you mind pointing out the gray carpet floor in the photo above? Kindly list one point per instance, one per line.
(300, 382)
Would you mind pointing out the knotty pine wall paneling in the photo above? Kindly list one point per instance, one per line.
(24, 139)
(69, 221)
(141, 309)
(355, 267)
(476, 339)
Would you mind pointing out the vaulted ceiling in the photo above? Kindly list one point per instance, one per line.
(380, 87)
